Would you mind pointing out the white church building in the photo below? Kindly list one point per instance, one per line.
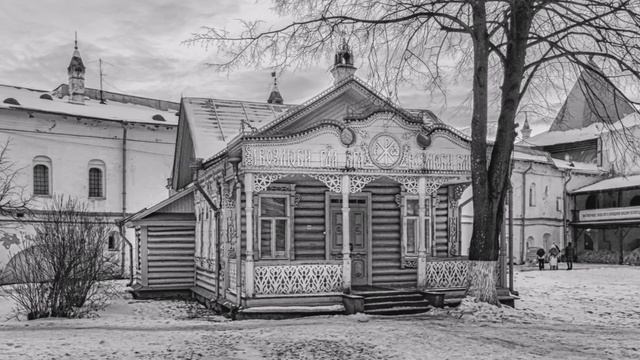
(112, 151)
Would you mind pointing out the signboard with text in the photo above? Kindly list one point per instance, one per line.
(631, 212)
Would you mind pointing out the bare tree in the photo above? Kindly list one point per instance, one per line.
(13, 197)
(60, 272)
(521, 44)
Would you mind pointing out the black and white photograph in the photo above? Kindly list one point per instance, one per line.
(320, 179)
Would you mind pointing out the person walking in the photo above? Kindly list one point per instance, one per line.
(568, 254)
(540, 254)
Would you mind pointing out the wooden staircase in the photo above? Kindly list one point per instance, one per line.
(393, 302)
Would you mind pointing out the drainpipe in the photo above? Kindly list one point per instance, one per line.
(510, 199)
(124, 183)
(524, 210)
(565, 209)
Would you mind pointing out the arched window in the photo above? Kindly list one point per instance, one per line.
(532, 194)
(635, 201)
(41, 176)
(96, 179)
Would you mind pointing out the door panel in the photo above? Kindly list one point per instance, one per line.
(358, 237)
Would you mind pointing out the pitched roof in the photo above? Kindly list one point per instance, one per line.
(56, 103)
(214, 123)
(163, 206)
(593, 131)
(591, 100)
(619, 182)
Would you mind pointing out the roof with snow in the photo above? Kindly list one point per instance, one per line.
(214, 123)
(591, 100)
(620, 182)
(119, 107)
(592, 131)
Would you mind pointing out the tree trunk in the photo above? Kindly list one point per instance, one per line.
(490, 183)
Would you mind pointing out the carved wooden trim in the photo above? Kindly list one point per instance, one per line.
(261, 181)
(358, 182)
(332, 182)
(410, 183)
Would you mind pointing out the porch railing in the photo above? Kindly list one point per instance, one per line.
(452, 273)
(297, 278)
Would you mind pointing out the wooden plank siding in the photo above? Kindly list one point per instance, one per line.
(309, 218)
(170, 258)
(387, 235)
(441, 241)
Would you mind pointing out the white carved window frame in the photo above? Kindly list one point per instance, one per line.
(289, 197)
(405, 254)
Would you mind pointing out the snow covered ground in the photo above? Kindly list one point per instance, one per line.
(589, 313)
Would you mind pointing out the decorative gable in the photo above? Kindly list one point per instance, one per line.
(383, 142)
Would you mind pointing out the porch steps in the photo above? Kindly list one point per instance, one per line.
(394, 302)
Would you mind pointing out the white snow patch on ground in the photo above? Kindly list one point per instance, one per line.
(582, 314)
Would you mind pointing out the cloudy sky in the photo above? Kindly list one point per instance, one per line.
(140, 43)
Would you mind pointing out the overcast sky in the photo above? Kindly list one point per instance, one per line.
(140, 43)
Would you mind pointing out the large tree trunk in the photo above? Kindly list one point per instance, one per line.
(490, 182)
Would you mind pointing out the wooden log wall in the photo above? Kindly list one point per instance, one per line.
(386, 237)
(138, 270)
(171, 251)
(441, 223)
(309, 227)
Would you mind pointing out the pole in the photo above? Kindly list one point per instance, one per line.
(510, 194)
(101, 75)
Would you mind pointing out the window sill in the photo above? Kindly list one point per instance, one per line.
(42, 196)
(97, 198)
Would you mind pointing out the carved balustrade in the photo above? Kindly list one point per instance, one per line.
(452, 273)
(291, 278)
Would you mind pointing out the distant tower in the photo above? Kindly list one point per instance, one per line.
(526, 130)
(343, 63)
(76, 76)
(275, 97)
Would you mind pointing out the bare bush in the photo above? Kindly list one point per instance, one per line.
(59, 274)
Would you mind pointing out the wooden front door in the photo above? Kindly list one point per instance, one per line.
(359, 237)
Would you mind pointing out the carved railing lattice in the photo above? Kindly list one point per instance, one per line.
(297, 279)
(447, 274)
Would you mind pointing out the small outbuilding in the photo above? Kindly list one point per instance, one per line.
(165, 247)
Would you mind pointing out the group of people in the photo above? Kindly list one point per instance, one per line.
(554, 254)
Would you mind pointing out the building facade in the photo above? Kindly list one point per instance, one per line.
(112, 151)
(304, 205)
(599, 127)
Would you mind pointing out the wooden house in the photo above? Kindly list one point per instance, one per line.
(165, 245)
(344, 198)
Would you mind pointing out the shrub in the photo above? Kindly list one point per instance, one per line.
(599, 257)
(59, 273)
(632, 258)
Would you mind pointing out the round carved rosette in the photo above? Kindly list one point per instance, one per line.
(385, 151)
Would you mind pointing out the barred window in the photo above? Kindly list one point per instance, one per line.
(41, 180)
(95, 183)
